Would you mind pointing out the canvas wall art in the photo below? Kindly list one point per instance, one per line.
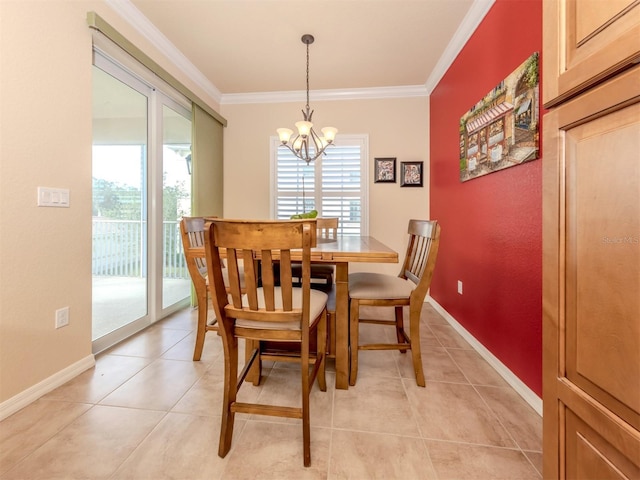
(502, 130)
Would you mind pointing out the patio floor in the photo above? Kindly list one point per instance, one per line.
(120, 300)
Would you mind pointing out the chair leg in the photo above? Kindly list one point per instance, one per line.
(306, 429)
(354, 321)
(255, 373)
(400, 327)
(331, 333)
(229, 396)
(322, 351)
(202, 326)
(414, 330)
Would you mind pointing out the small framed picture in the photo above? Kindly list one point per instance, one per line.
(411, 174)
(385, 170)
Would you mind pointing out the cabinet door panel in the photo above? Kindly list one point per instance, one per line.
(590, 456)
(586, 42)
(603, 259)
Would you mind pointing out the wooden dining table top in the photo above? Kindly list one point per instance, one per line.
(345, 249)
(352, 248)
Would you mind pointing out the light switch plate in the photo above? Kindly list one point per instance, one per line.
(53, 197)
(62, 317)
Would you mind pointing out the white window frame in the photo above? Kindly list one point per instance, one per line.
(360, 140)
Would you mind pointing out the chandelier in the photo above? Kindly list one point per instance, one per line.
(307, 137)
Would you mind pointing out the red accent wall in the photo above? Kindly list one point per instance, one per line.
(491, 225)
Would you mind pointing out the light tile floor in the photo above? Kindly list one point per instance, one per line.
(147, 411)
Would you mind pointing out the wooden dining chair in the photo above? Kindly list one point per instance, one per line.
(192, 233)
(327, 229)
(266, 314)
(408, 288)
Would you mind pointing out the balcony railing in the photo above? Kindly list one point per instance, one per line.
(119, 249)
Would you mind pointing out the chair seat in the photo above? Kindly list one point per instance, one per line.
(371, 286)
(318, 303)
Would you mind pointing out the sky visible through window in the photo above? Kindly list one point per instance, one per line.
(122, 164)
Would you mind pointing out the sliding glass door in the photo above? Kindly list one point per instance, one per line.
(141, 189)
(176, 199)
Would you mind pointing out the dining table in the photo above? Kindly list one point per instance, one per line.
(342, 251)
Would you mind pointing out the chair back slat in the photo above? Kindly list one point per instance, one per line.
(233, 275)
(285, 270)
(420, 254)
(268, 285)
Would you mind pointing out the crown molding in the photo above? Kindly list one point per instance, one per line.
(148, 30)
(324, 95)
(470, 22)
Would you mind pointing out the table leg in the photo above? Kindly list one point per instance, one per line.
(342, 326)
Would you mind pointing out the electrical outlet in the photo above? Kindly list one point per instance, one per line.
(62, 317)
(460, 287)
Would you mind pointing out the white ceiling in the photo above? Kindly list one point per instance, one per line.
(249, 46)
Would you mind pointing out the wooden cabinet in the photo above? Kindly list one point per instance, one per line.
(585, 42)
(591, 243)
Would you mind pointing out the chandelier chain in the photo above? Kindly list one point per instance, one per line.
(307, 77)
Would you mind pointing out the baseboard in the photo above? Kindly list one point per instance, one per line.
(31, 394)
(525, 392)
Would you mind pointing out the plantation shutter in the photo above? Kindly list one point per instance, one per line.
(334, 185)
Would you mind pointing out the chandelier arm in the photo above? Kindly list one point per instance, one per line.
(289, 147)
(305, 144)
(317, 143)
(294, 141)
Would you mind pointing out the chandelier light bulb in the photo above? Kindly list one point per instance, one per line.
(304, 128)
(284, 134)
(329, 133)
